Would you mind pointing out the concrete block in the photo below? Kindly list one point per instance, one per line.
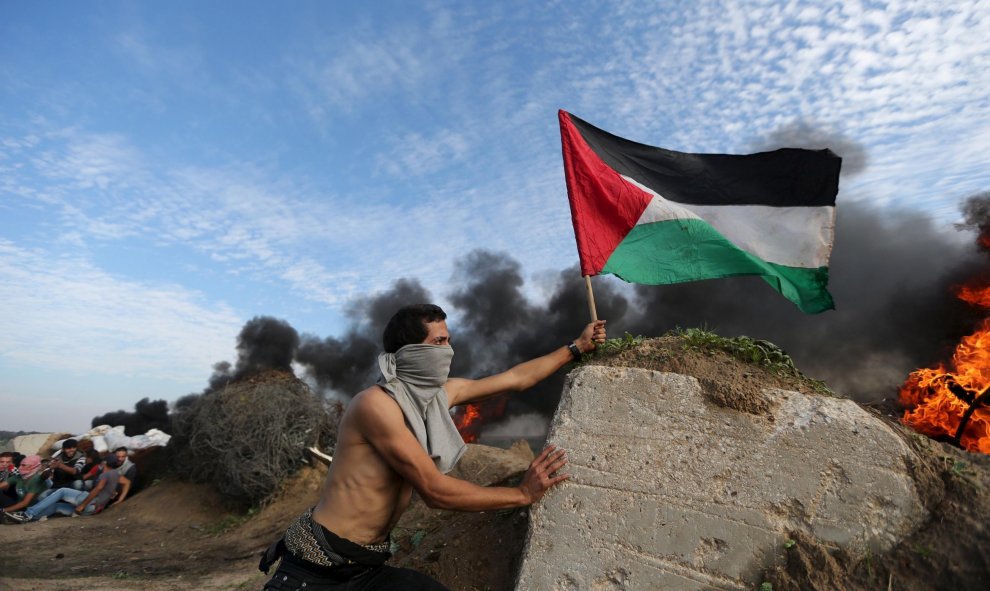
(670, 490)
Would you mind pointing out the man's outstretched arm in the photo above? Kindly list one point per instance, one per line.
(526, 374)
(381, 422)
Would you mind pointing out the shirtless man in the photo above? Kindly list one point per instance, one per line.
(395, 437)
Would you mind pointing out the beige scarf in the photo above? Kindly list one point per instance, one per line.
(415, 376)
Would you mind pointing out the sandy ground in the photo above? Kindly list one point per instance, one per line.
(177, 536)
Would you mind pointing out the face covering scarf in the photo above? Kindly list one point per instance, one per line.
(414, 376)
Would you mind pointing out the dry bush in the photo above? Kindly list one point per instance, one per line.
(247, 437)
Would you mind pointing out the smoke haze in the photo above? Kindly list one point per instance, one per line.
(892, 277)
(976, 212)
(803, 134)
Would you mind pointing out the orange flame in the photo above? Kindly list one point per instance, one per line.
(977, 295)
(932, 407)
(465, 422)
(470, 418)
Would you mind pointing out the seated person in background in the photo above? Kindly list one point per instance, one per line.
(67, 466)
(127, 468)
(72, 502)
(92, 470)
(6, 465)
(28, 484)
(7, 469)
(126, 482)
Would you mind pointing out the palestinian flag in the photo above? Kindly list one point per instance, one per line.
(655, 216)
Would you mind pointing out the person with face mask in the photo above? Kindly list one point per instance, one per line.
(396, 437)
(28, 484)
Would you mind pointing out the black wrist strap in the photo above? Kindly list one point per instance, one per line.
(574, 350)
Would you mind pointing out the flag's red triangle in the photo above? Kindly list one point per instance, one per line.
(604, 206)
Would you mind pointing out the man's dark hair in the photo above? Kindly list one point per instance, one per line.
(121, 448)
(408, 325)
(7, 454)
(70, 443)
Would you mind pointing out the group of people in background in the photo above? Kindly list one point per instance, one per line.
(71, 483)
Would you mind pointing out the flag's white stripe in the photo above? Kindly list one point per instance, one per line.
(790, 236)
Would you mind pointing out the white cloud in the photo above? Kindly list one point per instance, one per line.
(90, 161)
(102, 188)
(63, 313)
(165, 63)
(416, 155)
(362, 66)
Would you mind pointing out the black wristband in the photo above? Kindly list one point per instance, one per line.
(574, 350)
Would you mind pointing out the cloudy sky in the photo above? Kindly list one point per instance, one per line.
(169, 172)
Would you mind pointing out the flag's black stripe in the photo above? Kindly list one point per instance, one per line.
(787, 177)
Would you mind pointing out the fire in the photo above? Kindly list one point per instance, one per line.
(470, 418)
(977, 295)
(465, 422)
(940, 399)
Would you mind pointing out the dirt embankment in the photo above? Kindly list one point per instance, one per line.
(177, 536)
(170, 536)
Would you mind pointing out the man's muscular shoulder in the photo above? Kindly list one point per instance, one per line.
(371, 399)
(373, 410)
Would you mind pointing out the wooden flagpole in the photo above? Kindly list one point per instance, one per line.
(591, 299)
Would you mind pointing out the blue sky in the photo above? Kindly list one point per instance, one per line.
(169, 172)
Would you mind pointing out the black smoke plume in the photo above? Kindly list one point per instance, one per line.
(265, 343)
(147, 415)
(976, 217)
(493, 326)
(348, 364)
(223, 374)
(340, 364)
(496, 326)
(976, 213)
(803, 134)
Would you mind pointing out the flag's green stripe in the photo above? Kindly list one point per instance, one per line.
(682, 250)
